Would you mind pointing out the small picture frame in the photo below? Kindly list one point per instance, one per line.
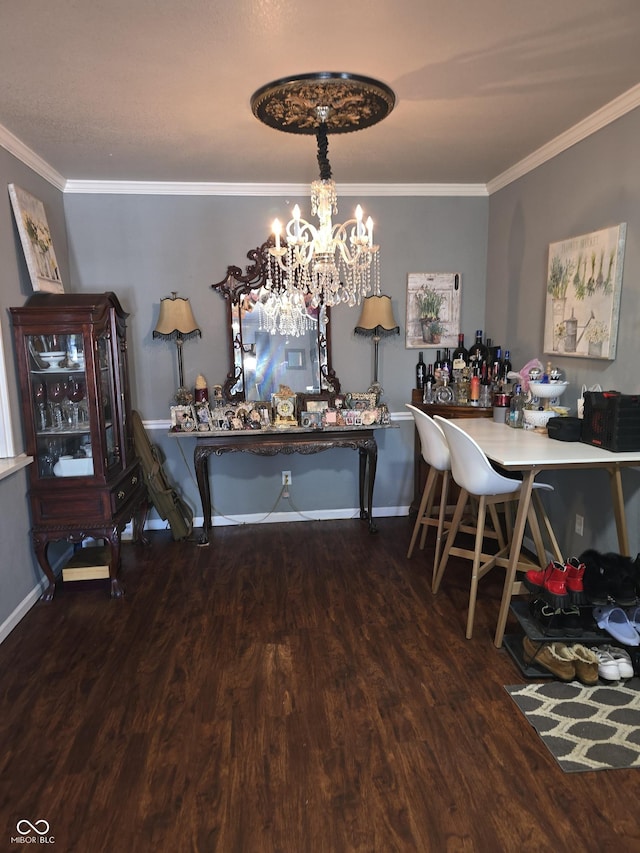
(203, 417)
(329, 418)
(183, 419)
(311, 420)
(315, 402)
(362, 400)
(265, 411)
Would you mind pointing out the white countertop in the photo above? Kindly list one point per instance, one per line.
(520, 448)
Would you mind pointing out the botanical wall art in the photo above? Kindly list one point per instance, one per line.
(35, 237)
(584, 280)
(433, 309)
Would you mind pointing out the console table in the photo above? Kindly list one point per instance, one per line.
(269, 442)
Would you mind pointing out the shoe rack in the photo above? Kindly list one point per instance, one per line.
(536, 632)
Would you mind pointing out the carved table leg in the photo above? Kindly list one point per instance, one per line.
(138, 522)
(368, 454)
(201, 464)
(40, 543)
(117, 590)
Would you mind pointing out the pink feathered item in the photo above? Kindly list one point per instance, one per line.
(524, 372)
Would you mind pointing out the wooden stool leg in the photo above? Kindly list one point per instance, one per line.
(455, 524)
(444, 494)
(425, 504)
(477, 556)
(547, 525)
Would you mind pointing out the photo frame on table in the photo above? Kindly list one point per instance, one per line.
(311, 420)
(361, 400)
(315, 402)
(183, 418)
(433, 309)
(37, 244)
(583, 287)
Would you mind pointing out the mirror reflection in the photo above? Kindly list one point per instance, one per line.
(266, 358)
(272, 341)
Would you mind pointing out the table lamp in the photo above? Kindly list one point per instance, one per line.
(376, 321)
(176, 322)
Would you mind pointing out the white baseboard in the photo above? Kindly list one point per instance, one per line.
(20, 611)
(279, 517)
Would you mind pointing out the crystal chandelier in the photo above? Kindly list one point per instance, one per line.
(330, 264)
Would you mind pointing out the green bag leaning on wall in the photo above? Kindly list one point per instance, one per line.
(167, 502)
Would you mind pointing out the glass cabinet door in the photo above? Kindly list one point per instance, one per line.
(107, 401)
(61, 416)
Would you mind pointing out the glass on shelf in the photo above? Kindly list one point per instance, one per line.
(56, 394)
(75, 393)
(40, 397)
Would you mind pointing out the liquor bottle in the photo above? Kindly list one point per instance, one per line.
(429, 386)
(474, 387)
(459, 359)
(486, 387)
(489, 345)
(462, 388)
(437, 365)
(421, 372)
(496, 367)
(506, 367)
(445, 368)
(516, 409)
(477, 351)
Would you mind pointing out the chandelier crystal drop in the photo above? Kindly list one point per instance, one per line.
(327, 264)
(285, 313)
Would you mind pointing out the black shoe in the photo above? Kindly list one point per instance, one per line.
(594, 580)
(620, 576)
(560, 622)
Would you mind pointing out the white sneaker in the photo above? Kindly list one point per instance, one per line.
(607, 665)
(622, 659)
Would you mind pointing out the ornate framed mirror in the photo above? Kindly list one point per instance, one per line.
(273, 342)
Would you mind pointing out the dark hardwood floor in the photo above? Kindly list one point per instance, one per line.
(290, 688)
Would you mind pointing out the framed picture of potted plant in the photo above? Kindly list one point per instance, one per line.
(584, 281)
(433, 309)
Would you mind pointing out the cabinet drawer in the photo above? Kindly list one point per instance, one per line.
(126, 489)
(56, 509)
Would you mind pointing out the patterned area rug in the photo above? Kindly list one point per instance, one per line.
(585, 728)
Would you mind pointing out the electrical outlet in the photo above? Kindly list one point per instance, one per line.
(579, 525)
(286, 478)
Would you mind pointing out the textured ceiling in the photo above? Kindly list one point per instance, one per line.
(159, 90)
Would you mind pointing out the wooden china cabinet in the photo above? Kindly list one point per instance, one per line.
(86, 480)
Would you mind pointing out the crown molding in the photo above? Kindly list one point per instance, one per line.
(264, 189)
(23, 153)
(615, 109)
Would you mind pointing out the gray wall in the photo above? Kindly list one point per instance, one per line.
(19, 571)
(143, 247)
(593, 185)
